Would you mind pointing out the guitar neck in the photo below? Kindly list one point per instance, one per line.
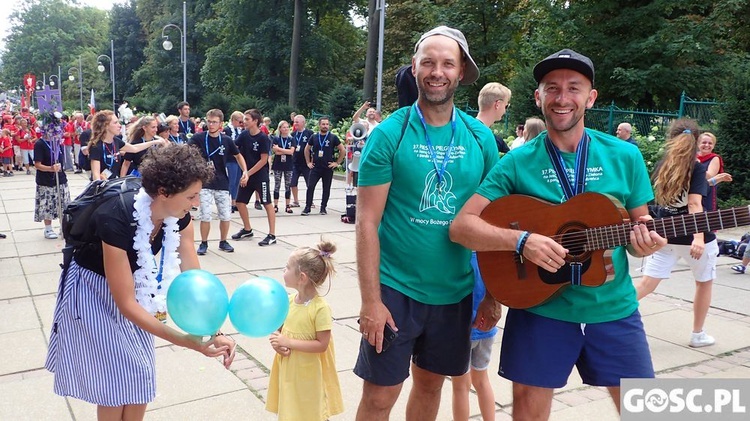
(608, 237)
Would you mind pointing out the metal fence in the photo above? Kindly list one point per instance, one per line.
(644, 122)
(649, 121)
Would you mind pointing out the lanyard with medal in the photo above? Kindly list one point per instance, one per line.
(112, 155)
(322, 142)
(439, 171)
(185, 127)
(283, 142)
(210, 162)
(176, 139)
(579, 184)
(160, 315)
(298, 136)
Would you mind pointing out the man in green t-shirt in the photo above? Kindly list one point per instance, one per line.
(597, 329)
(418, 168)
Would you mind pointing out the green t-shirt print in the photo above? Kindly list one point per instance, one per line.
(417, 257)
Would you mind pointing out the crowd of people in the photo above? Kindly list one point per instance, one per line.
(426, 176)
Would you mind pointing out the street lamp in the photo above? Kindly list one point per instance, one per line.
(100, 66)
(52, 83)
(167, 44)
(71, 77)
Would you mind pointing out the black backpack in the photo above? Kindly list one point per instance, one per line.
(76, 218)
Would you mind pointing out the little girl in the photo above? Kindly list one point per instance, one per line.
(304, 384)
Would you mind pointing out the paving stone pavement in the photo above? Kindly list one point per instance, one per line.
(190, 386)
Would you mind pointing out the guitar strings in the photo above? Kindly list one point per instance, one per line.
(621, 232)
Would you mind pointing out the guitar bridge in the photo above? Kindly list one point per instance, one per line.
(520, 268)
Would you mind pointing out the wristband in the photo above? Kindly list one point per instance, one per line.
(522, 242)
(712, 181)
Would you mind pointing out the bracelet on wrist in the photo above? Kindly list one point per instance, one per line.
(522, 242)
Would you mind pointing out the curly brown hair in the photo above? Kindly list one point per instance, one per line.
(173, 168)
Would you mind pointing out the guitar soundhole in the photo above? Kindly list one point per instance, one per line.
(571, 236)
(574, 241)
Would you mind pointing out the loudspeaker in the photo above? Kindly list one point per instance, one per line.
(358, 131)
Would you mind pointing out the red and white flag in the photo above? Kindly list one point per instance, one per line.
(92, 104)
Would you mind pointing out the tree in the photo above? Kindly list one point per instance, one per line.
(125, 29)
(734, 125)
(46, 34)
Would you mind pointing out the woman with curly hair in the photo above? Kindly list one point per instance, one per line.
(679, 186)
(111, 299)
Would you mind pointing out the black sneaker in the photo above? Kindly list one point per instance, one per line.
(202, 248)
(77, 171)
(258, 205)
(305, 211)
(224, 246)
(270, 239)
(234, 209)
(243, 233)
(323, 210)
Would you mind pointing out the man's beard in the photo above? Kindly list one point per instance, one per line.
(437, 98)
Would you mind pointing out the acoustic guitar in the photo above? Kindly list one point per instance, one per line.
(589, 225)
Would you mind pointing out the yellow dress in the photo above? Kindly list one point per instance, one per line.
(305, 386)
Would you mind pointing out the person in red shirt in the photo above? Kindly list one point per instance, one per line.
(28, 116)
(68, 134)
(26, 137)
(6, 152)
(13, 127)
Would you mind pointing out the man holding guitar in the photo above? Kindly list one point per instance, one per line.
(597, 329)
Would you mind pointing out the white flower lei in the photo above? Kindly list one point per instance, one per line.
(147, 291)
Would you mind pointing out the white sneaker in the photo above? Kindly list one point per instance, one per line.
(701, 339)
(50, 235)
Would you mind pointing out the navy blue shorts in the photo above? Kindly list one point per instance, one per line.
(539, 351)
(437, 338)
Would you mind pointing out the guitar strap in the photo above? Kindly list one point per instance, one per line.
(579, 183)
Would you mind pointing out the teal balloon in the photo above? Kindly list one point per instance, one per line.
(259, 307)
(198, 302)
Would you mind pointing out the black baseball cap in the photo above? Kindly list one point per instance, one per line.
(565, 59)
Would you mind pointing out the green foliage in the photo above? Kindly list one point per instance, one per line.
(45, 34)
(129, 39)
(216, 100)
(340, 102)
(243, 103)
(732, 133)
(522, 101)
(651, 146)
(280, 112)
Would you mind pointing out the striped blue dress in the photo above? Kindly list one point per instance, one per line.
(96, 354)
